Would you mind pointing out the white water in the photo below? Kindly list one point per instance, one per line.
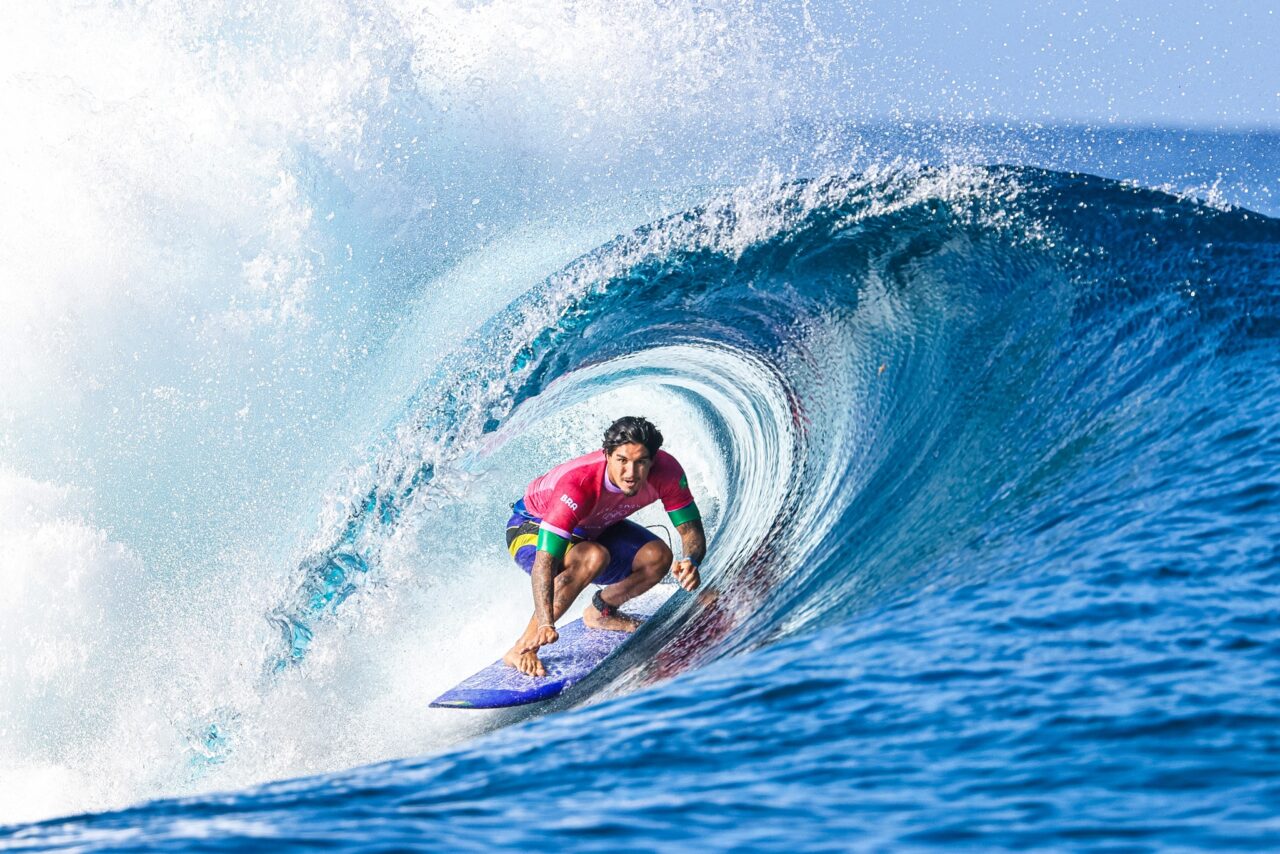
(234, 242)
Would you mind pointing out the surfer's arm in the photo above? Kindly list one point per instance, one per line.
(543, 575)
(693, 541)
(553, 545)
(682, 510)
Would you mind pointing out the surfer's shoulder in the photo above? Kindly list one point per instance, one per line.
(667, 472)
(585, 478)
(663, 461)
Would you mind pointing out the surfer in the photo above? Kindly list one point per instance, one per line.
(570, 529)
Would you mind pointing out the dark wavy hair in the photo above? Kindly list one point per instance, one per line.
(629, 429)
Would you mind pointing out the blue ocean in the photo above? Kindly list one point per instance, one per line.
(983, 418)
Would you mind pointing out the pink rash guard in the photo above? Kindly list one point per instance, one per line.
(578, 494)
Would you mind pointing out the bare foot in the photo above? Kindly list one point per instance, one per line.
(618, 623)
(527, 663)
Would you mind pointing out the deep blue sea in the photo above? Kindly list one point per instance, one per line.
(983, 418)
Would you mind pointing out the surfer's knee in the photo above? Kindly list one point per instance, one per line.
(653, 558)
(591, 558)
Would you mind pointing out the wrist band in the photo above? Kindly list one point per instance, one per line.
(547, 626)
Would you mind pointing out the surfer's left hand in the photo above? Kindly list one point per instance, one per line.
(687, 574)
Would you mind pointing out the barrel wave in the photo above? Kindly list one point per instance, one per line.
(895, 375)
(988, 457)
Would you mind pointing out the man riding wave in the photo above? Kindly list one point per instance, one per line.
(570, 529)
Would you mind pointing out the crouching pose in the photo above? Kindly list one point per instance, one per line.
(570, 529)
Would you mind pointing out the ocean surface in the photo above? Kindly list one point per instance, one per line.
(983, 418)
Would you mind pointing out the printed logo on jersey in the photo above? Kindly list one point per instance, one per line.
(573, 505)
(684, 481)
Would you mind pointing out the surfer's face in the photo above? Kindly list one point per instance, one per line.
(629, 467)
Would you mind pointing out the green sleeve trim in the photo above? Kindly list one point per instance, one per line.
(687, 513)
(551, 543)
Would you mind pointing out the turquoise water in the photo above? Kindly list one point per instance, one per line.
(1011, 589)
(982, 418)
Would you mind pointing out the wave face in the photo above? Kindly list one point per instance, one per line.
(989, 460)
(296, 298)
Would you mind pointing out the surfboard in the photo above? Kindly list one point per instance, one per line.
(579, 651)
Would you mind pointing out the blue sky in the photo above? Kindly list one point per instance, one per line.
(1181, 63)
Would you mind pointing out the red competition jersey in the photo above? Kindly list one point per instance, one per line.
(579, 494)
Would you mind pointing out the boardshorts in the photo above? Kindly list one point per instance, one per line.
(622, 539)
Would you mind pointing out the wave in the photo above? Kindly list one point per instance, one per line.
(884, 385)
(885, 369)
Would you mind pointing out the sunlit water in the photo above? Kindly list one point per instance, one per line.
(983, 421)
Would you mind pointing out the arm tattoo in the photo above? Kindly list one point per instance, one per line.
(693, 540)
(543, 577)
